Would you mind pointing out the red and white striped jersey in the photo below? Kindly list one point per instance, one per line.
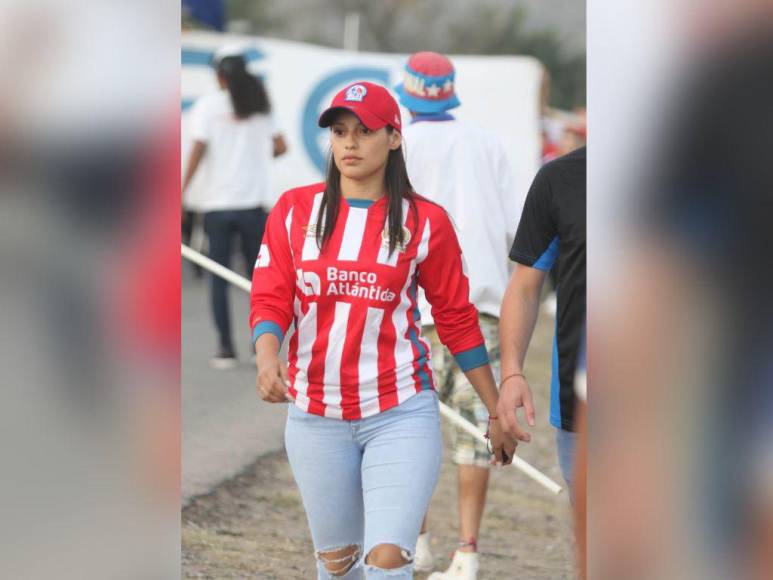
(357, 349)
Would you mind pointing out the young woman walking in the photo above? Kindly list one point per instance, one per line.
(343, 261)
(234, 140)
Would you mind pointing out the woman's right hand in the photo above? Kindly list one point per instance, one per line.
(273, 381)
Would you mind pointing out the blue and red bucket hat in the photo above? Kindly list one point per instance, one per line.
(428, 84)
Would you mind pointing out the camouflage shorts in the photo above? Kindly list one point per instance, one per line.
(456, 392)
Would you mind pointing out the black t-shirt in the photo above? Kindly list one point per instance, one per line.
(552, 234)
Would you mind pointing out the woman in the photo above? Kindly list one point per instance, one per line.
(343, 260)
(233, 131)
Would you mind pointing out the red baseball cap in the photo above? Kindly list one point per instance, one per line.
(372, 103)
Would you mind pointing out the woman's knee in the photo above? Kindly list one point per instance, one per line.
(339, 562)
(388, 556)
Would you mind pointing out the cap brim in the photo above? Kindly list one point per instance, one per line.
(367, 118)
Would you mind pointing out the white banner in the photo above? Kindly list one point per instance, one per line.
(500, 93)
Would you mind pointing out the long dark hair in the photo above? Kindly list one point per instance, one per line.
(248, 94)
(398, 187)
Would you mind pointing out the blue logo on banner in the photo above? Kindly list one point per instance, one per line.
(315, 105)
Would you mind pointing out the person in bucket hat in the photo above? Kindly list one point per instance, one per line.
(428, 84)
(464, 169)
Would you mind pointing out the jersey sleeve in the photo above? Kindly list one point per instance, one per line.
(442, 275)
(536, 239)
(273, 279)
(273, 126)
(200, 120)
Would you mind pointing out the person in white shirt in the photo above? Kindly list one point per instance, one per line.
(464, 169)
(234, 141)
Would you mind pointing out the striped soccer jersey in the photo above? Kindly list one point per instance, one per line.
(357, 349)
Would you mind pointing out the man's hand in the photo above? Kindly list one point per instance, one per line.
(272, 382)
(502, 444)
(515, 393)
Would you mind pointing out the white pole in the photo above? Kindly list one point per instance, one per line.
(352, 31)
(454, 417)
(215, 268)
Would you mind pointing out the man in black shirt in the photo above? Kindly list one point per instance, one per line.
(551, 233)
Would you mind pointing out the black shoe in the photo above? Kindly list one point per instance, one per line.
(224, 359)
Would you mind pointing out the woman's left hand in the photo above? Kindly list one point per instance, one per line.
(502, 444)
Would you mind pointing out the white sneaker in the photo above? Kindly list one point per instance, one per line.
(464, 566)
(224, 359)
(423, 560)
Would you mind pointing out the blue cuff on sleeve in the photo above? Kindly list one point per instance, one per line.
(548, 257)
(472, 358)
(267, 327)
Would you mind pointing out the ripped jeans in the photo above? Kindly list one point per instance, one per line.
(366, 482)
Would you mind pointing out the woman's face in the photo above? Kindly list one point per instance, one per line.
(358, 152)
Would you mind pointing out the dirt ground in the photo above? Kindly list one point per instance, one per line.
(254, 526)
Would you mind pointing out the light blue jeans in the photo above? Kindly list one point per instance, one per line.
(366, 482)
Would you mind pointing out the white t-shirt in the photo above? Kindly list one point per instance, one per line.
(236, 166)
(465, 169)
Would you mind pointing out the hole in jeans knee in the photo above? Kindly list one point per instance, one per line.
(338, 561)
(389, 557)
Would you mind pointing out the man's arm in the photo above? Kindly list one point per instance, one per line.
(518, 317)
